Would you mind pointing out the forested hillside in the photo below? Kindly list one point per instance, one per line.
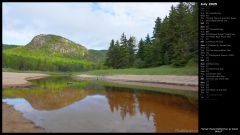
(97, 56)
(5, 46)
(52, 53)
(174, 42)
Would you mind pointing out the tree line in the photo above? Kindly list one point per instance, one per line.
(174, 42)
(121, 54)
(46, 63)
(22, 58)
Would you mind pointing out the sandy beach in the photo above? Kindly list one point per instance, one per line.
(13, 121)
(165, 81)
(10, 79)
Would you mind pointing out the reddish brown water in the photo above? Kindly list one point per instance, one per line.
(107, 110)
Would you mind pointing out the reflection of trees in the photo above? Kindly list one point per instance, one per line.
(169, 113)
(123, 101)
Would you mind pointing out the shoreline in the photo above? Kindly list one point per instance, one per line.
(164, 81)
(13, 120)
(13, 80)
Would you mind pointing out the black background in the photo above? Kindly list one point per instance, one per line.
(223, 112)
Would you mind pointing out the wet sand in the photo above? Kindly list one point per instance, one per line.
(13, 121)
(164, 81)
(11, 80)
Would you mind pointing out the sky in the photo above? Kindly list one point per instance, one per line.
(90, 24)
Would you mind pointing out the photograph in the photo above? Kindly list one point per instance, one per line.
(83, 67)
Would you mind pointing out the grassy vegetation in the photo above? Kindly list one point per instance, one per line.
(162, 70)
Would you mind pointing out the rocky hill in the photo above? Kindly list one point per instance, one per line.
(48, 52)
(54, 44)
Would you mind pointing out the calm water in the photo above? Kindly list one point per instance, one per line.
(61, 104)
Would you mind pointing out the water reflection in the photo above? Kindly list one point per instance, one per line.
(123, 101)
(169, 112)
(103, 109)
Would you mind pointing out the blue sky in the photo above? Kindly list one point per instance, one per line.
(90, 24)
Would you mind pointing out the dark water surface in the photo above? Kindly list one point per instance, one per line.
(61, 104)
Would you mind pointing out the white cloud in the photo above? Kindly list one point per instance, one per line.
(90, 24)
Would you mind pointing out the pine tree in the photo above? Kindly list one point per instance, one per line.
(193, 48)
(109, 59)
(179, 55)
(131, 50)
(148, 52)
(140, 53)
(157, 28)
(118, 61)
(157, 52)
(124, 51)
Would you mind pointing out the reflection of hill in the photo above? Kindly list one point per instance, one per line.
(54, 99)
(51, 99)
(170, 113)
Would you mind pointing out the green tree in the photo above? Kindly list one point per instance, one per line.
(124, 52)
(109, 60)
(157, 28)
(131, 44)
(140, 52)
(180, 58)
(148, 52)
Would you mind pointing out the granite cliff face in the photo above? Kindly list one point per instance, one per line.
(56, 44)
